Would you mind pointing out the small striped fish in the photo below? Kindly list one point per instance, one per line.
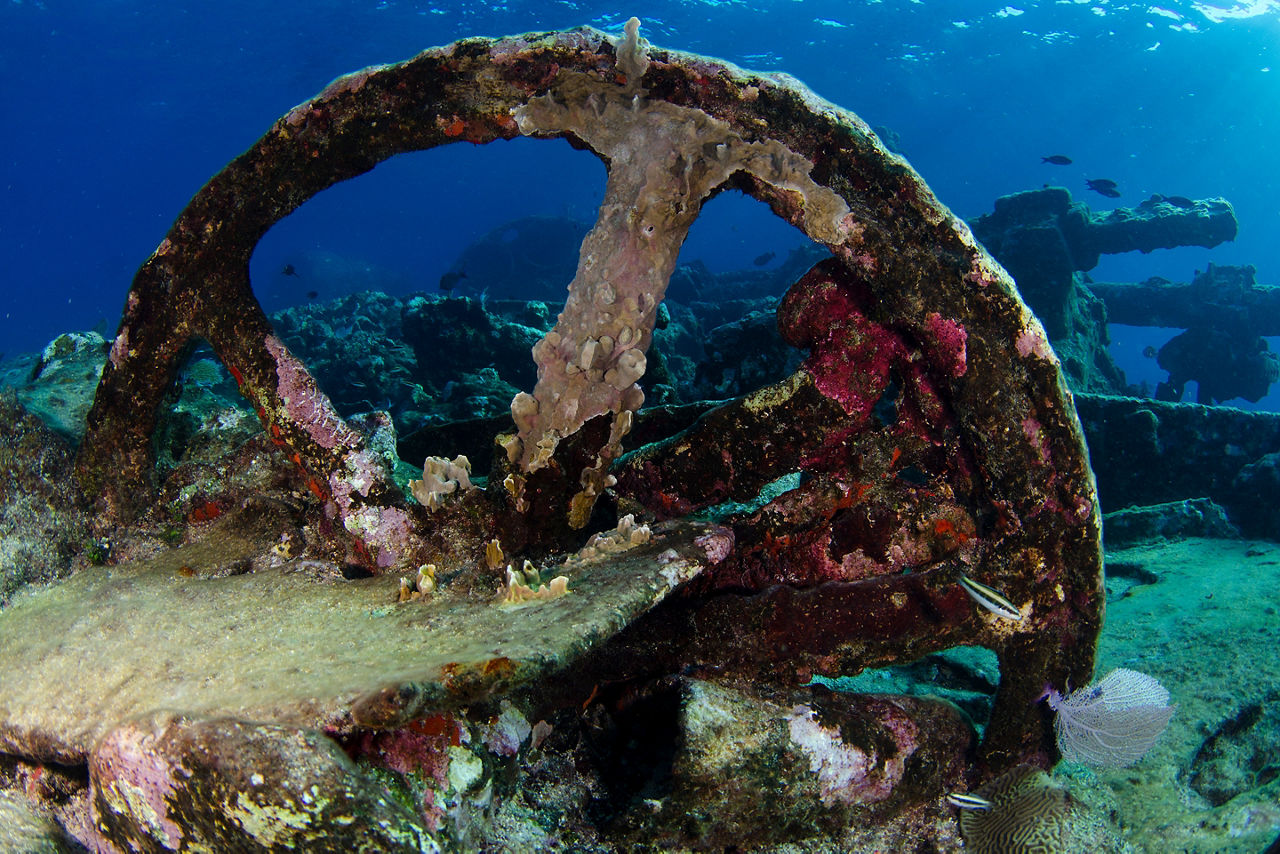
(990, 598)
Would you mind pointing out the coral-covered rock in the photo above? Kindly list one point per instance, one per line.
(752, 770)
(454, 336)
(744, 355)
(169, 783)
(61, 386)
(41, 525)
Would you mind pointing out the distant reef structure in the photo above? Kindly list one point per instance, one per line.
(530, 258)
(1226, 315)
(1048, 243)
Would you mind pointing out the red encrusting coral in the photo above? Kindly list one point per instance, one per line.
(851, 357)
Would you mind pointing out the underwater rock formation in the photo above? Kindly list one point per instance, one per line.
(919, 482)
(1198, 451)
(41, 523)
(56, 389)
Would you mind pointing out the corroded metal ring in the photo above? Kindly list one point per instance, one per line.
(979, 471)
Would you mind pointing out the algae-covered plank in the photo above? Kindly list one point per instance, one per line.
(279, 646)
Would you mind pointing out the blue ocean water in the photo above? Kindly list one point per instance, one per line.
(116, 112)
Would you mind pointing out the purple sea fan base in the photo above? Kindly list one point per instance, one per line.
(1113, 722)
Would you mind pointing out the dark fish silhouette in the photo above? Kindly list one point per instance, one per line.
(450, 280)
(761, 260)
(312, 294)
(1100, 183)
(1180, 202)
(289, 270)
(1057, 160)
(1149, 351)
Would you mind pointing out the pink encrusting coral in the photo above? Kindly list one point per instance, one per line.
(303, 401)
(1031, 429)
(1033, 341)
(420, 748)
(140, 778)
(848, 774)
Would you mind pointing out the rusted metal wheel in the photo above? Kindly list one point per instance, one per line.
(929, 438)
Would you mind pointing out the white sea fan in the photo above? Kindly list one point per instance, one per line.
(1113, 722)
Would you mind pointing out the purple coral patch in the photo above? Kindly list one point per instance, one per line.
(421, 748)
(1032, 429)
(130, 776)
(303, 401)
